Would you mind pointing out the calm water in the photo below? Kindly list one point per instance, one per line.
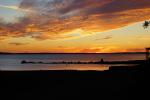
(12, 62)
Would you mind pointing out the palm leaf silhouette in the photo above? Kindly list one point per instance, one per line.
(146, 24)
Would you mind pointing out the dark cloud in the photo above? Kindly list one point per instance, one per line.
(17, 43)
(86, 6)
(119, 6)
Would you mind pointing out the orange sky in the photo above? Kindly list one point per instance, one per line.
(73, 26)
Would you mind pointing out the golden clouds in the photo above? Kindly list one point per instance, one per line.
(56, 19)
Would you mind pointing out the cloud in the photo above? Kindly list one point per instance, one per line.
(55, 19)
(2, 38)
(17, 43)
(120, 5)
(90, 50)
(135, 50)
(99, 49)
(105, 38)
(15, 8)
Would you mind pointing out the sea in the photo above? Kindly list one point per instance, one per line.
(12, 62)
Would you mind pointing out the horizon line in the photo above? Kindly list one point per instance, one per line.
(64, 52)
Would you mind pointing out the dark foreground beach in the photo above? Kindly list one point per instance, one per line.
(117, 83)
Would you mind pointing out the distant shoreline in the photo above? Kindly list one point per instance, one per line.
(91, 62)
(78, 53)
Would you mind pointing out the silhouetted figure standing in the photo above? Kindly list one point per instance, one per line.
(147, 54)
(102, 60)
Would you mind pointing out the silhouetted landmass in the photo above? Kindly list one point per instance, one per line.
(91, 62)
(121, 83)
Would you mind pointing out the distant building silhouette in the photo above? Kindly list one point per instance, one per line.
(147, 53)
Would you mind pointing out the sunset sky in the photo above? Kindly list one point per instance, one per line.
(74, 26)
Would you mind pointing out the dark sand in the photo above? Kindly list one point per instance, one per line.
(116, 83)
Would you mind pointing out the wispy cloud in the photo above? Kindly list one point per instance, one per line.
(99, 49)
(105, 38)
(15, 8)
(135, 50)
(17, 43)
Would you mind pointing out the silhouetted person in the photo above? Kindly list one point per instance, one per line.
(102, 60)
